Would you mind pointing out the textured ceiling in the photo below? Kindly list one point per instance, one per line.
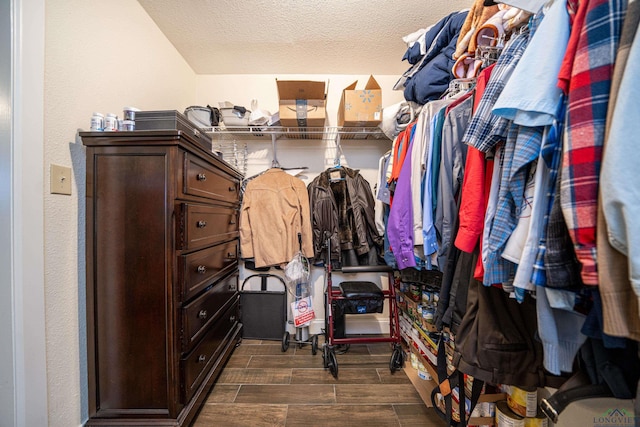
(295, 36)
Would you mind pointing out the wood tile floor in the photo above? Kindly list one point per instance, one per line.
(263, 386)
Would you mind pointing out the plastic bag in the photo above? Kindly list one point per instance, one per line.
(297, 270)
(296, 274)
(258, 117)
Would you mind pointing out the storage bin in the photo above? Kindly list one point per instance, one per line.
(172, 120)
(203, 116)
(235, 117)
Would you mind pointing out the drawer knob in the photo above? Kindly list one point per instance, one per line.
(201, 177)
(202, 358)
(202, 314)
(201, 224)
(233, 220)
(232, 188)
(232, 319)
(202, 269)
(196, 132)
(231, 255)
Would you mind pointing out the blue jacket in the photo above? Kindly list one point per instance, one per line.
(430, 74)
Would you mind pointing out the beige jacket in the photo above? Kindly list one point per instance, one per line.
(275, 208)
(621, 314)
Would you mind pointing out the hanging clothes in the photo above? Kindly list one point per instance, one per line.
(537, 123)
(620, 290)
(399, 152)
(424, 224)
(382, 208)
(496, 341)
(428, 77)
(493, 319)
(484, 132)
(475, 185)
(620, 297)
(450, 175)
(478, 15)
(540, 63)
(275, 209)
(382, 194)
(400, 222)
(589, 88)
(423, 140)
(342, 209)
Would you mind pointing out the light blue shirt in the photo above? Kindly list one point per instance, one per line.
(530, 97)
(428, 229)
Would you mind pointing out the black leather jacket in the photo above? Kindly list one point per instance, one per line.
(342, 207)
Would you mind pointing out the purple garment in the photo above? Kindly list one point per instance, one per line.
(400, 223)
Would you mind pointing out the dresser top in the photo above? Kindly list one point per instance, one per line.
(149, 138)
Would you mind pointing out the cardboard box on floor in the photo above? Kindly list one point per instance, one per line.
(302, 103)
(361, 108)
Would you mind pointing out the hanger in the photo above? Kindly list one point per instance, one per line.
(295, 171)
(336, 173)
(458, 86)
(274, 165)
(488, 53)
(274, 159)
(522, 30)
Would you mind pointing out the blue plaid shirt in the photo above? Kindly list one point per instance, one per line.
(486, 129)
(551, 154)
(521, 149)
(484, 132)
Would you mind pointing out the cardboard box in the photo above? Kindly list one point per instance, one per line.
(361, 108)
(302, 103)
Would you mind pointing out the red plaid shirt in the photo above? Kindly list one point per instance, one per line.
(589, 87)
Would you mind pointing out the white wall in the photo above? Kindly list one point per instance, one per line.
(100, 56)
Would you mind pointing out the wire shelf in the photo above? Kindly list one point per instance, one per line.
(327, 132)
(232, 142)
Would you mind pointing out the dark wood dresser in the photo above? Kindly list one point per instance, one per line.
(162, 275)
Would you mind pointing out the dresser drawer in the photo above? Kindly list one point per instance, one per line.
(200, 226)
(205, 180)
(198, 270)
(197, 364)
(205, 309)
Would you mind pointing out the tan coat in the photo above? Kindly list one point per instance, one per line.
(619, 301)
(275, 208)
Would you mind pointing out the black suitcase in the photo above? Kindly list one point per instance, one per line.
(172, 120)
(263, 312)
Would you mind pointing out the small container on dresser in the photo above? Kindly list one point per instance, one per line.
(162, 274)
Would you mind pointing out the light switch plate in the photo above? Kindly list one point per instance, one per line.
(60, 179)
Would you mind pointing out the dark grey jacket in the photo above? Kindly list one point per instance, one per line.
(344, 210)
